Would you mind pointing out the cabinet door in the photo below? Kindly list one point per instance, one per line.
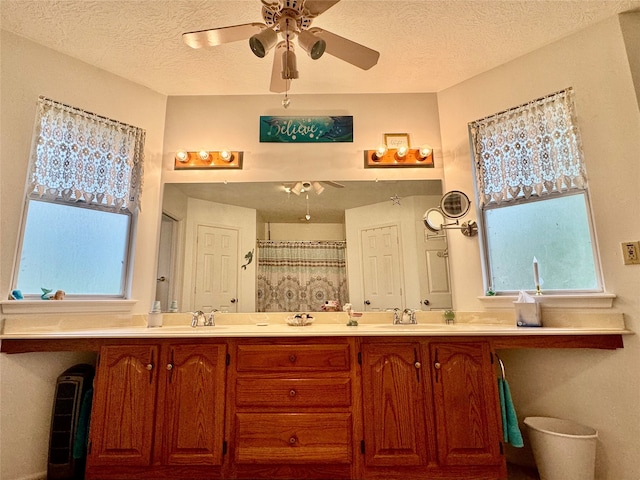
(464, 389)
(194, 404)
(123, 413)
(394, 420)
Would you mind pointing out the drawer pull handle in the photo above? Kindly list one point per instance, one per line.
(169, 366)
(292, 393)
(418, 365)
(149, 366)
(437, 365)
(292, 358)
(293, 440)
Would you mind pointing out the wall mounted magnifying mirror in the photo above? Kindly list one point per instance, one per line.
(453, 205)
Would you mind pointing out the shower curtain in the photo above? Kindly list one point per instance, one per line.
(300, 276)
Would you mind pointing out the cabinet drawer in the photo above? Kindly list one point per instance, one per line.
(293, 392)
(287, 358)
(293, 438)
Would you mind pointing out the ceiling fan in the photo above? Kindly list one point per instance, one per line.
(307, 186)
(288, 19)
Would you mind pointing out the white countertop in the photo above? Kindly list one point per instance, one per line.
(325, 325)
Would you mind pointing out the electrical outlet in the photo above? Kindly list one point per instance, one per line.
(631, 253)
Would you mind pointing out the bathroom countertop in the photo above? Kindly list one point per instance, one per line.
(494, 324)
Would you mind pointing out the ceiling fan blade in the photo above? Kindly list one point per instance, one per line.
(333, 183)
(219, 36)
(278, 84)
(347, 50)
(316, 7)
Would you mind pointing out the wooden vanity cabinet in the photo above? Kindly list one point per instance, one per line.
(430, 410)
(292, 408)
(158, 411)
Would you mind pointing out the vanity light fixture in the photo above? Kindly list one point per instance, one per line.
(207, 159)
(399, 157)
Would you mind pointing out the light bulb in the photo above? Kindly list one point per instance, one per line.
(204, 155)
(402, 152)
(425, 151)
(182, 156)
(380, 152)
(226, 155)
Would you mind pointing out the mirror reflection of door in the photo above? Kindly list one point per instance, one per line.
(433, 269)
(381, 273)
(166, 261)
(216, 272)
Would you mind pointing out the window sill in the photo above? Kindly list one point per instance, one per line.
(67, 306)
(586, 300)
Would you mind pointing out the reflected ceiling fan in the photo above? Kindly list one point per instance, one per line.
(307, 186)
(287, 19)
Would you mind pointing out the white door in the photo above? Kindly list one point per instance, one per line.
(435, 287)
(216, 282)
(381, 269)
(166, 268)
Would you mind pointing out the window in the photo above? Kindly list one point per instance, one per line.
(83, 195)
(532, 192)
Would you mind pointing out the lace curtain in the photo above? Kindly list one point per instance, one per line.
(533, 149)
(78, 156)
(300, 276)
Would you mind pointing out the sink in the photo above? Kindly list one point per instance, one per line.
(439, 326)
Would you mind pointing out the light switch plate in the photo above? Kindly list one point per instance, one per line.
(631, 253)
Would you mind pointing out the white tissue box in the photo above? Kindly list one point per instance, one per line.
(527, 314)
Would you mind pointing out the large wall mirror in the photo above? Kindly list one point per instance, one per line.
(267, 246)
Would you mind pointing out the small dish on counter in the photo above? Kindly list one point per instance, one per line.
(300, 320)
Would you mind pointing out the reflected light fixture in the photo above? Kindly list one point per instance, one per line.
(312, 44)
(297, 188)
(262, 42)
(307, 216)
(317, 187)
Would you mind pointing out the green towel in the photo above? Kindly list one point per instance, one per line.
(510, 428)
(82, 431)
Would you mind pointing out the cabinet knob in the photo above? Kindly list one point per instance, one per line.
(437, 365)
(417, 365)
(293, 440)
(149, 366)
(292, 358)
(292, 393)
(169, 366)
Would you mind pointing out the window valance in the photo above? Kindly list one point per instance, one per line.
(531, 150)
(78, 156)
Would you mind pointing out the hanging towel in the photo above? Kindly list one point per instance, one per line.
(82, 430)
(510, 428)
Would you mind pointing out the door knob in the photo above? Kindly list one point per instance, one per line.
(233, 300)
(367, 302)
(426, 301)
(162, 279)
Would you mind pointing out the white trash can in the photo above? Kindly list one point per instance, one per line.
(563, 450)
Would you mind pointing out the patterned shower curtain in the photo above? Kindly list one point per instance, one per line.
(300, 276)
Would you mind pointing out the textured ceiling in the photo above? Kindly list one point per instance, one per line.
(425, 46)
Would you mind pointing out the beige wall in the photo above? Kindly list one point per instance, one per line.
(600, 389)
(27, 381)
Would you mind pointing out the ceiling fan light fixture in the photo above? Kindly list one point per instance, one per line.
(262, 42)
(312, 44)
(317, 187)
(297, 188)
(289, 65)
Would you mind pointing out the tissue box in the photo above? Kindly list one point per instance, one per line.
(528, 314)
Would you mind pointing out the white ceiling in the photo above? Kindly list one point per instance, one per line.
(425, 46)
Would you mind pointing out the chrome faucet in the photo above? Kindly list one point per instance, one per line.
(210, 321)
(409, 316)
(397, 318)
(196, 316)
